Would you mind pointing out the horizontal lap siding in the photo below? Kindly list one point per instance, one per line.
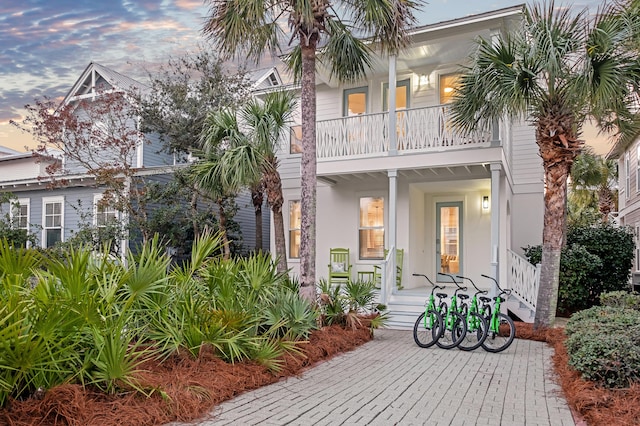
(526, 163)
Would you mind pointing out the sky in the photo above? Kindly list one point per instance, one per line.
(45, 45)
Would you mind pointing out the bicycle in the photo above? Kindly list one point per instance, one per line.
(454, 325)
(425, 330)
(477, 325)
(502, 330)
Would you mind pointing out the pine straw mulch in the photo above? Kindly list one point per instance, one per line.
(190, 388)
(596, 405)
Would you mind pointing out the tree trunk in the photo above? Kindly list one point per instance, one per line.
(257, 198)
(559, 146)
(308, 173)
(273, 186)
(222, 225)
(194, 214)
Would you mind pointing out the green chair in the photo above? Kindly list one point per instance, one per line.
(339, 266)
(377, 270)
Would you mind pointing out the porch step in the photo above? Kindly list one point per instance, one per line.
(520, 310)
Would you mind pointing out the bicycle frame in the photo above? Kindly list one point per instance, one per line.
(494, 319)
(430, 320)
(449, 318)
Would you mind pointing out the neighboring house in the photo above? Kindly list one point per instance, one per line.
(460, 204)
(628, 157)
(54, 214)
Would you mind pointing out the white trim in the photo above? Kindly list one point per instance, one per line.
(385, 224)
(51, 200)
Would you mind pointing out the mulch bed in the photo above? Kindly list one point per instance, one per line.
(596, 405)
(186, 388)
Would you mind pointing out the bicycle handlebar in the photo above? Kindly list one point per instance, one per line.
(507, 291)
(430, 282)
(454, 281)
(474, 284)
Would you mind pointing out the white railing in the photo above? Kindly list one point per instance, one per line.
(418, 129)
(387, 277)
(524, 279)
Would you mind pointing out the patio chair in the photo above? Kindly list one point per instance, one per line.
(339, 266)
(377, 270)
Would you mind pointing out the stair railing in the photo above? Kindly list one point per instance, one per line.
(524, 279)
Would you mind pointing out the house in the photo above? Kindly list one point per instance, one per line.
(454, 203)
(628, 158)
(55, 212)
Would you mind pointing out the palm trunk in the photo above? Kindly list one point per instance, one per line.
(222, 225)
(308, 173)
(273, 186)
(559, 146)
(257, 199)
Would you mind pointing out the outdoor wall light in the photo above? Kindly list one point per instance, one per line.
(485, 202)
(424, 80)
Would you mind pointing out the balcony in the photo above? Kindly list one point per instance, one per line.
(418, 130)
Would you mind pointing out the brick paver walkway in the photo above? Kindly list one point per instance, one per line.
(391, 381)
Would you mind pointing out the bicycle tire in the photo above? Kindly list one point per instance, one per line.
(450, 336)
(424, 334)
(476, 332)
(498, 342)
(443, 308)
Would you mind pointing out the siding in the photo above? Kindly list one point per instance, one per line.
(153, 154)
(526, 165)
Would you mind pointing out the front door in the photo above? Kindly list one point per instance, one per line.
(449, 238)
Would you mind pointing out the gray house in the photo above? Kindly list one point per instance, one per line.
(56, 212)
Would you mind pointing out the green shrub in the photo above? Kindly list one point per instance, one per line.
(604, 345)
(621, 299)
(595, 260)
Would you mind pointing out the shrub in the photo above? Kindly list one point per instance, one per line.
(621, 299)
(596, 260)
(604, 345)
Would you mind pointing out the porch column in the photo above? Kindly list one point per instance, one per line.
(495, 168)
(393, 201)
(391, 98)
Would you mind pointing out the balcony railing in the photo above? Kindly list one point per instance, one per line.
(418, 129)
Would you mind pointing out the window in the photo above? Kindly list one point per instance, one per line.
(294, 229)
(627, 175)
(20, 213)
(295, 141)
(52, 221)
(355, 102)
(448, 83)
(638, 169)
(402, 95)
(371, 228)
(103, 212)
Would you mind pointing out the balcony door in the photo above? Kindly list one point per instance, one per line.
(449, 238)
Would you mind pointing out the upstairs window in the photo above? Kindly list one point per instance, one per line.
(355, 102)
(295, 224)
(448, 85)
(295, 141)
(52, 223)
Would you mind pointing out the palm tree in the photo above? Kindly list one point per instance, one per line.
(558, 69)
(593, 179)
(321, 29)
(251, 138)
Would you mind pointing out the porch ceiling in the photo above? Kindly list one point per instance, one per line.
(424, 175)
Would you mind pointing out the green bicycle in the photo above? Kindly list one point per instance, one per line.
(454, 325)
(428, 324)
(477, 325)
(502, 330)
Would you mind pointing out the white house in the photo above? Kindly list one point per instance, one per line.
(456, 203)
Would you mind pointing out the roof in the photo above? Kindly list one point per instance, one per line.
(92, 74)
(480, 17)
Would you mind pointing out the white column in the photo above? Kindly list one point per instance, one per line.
(393, 207)
(391, 98)
(496, 168)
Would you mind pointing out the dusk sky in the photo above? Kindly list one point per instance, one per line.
(46, 44)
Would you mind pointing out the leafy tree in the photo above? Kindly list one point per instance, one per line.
(181, 95)
(97, 136)
(324, 30)
(558, 69)
(593, 195)
(252, 135)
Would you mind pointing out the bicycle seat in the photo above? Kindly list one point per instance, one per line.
(485, 299)
(463, 296)
(442, 295)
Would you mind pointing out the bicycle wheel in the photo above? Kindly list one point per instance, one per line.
(425, 330)
(476, 332)
(500, 339)
(443, 308)
(452, 331)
